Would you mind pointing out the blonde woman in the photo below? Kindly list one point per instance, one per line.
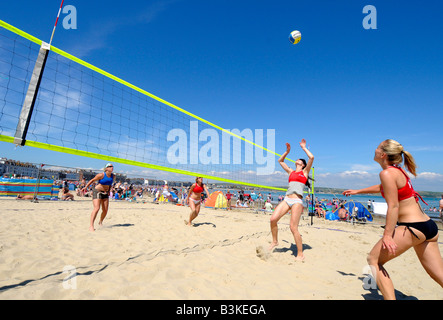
(194, 198)
(407, 225)
(100, 194)
(293, 200)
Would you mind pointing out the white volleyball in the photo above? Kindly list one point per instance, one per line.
(295, 37)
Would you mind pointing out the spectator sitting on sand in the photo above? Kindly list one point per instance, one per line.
(268, 206)
(342, 213)
(66, 195)
(320, 211)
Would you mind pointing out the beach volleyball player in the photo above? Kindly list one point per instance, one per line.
(293, 200)
(194, 198)
(406, 224)
(100, 194)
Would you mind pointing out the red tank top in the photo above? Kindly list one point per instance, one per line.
(405, 192)
(297, 177)
(198, 189)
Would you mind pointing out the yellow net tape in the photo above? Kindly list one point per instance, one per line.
(93, 155)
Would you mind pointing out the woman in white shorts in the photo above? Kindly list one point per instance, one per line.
(194, 198)
(293, 200)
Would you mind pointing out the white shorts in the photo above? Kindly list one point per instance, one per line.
(291, 201)
(196, 202)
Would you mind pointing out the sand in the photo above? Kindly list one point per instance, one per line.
(145, 251)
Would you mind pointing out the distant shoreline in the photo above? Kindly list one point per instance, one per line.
(318, 190)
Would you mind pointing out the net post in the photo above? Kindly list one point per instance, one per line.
(31, 96)
(37, 184)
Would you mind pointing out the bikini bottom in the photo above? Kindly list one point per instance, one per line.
(428, 228)
(291, 201)
(196, 202)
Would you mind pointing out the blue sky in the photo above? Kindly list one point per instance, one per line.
(343, 88)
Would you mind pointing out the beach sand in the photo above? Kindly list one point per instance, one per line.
(145, 251)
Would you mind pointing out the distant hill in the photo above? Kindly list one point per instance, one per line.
(430, 194)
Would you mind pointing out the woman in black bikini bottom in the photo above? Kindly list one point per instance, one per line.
(406, 224)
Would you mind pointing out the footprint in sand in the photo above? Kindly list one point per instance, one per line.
(262, 253)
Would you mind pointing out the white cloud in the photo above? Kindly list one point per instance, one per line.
(430, 176)
(352, 179)
(97, 35)
(426, 148)
(365, 167)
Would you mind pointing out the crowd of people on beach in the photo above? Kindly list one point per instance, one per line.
(16, 163)
(236, 199)
(69, 189)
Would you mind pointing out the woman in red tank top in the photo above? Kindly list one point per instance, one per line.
(406, 224)
(194, 198)
(293, 201)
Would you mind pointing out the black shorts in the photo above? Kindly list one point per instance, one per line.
(97, 194)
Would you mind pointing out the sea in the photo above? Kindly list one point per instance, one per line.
(432, 202)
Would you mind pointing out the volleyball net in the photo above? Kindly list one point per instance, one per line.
(52, 100)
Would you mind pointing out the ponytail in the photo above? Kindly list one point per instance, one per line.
(308, 184)
(410, 163)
